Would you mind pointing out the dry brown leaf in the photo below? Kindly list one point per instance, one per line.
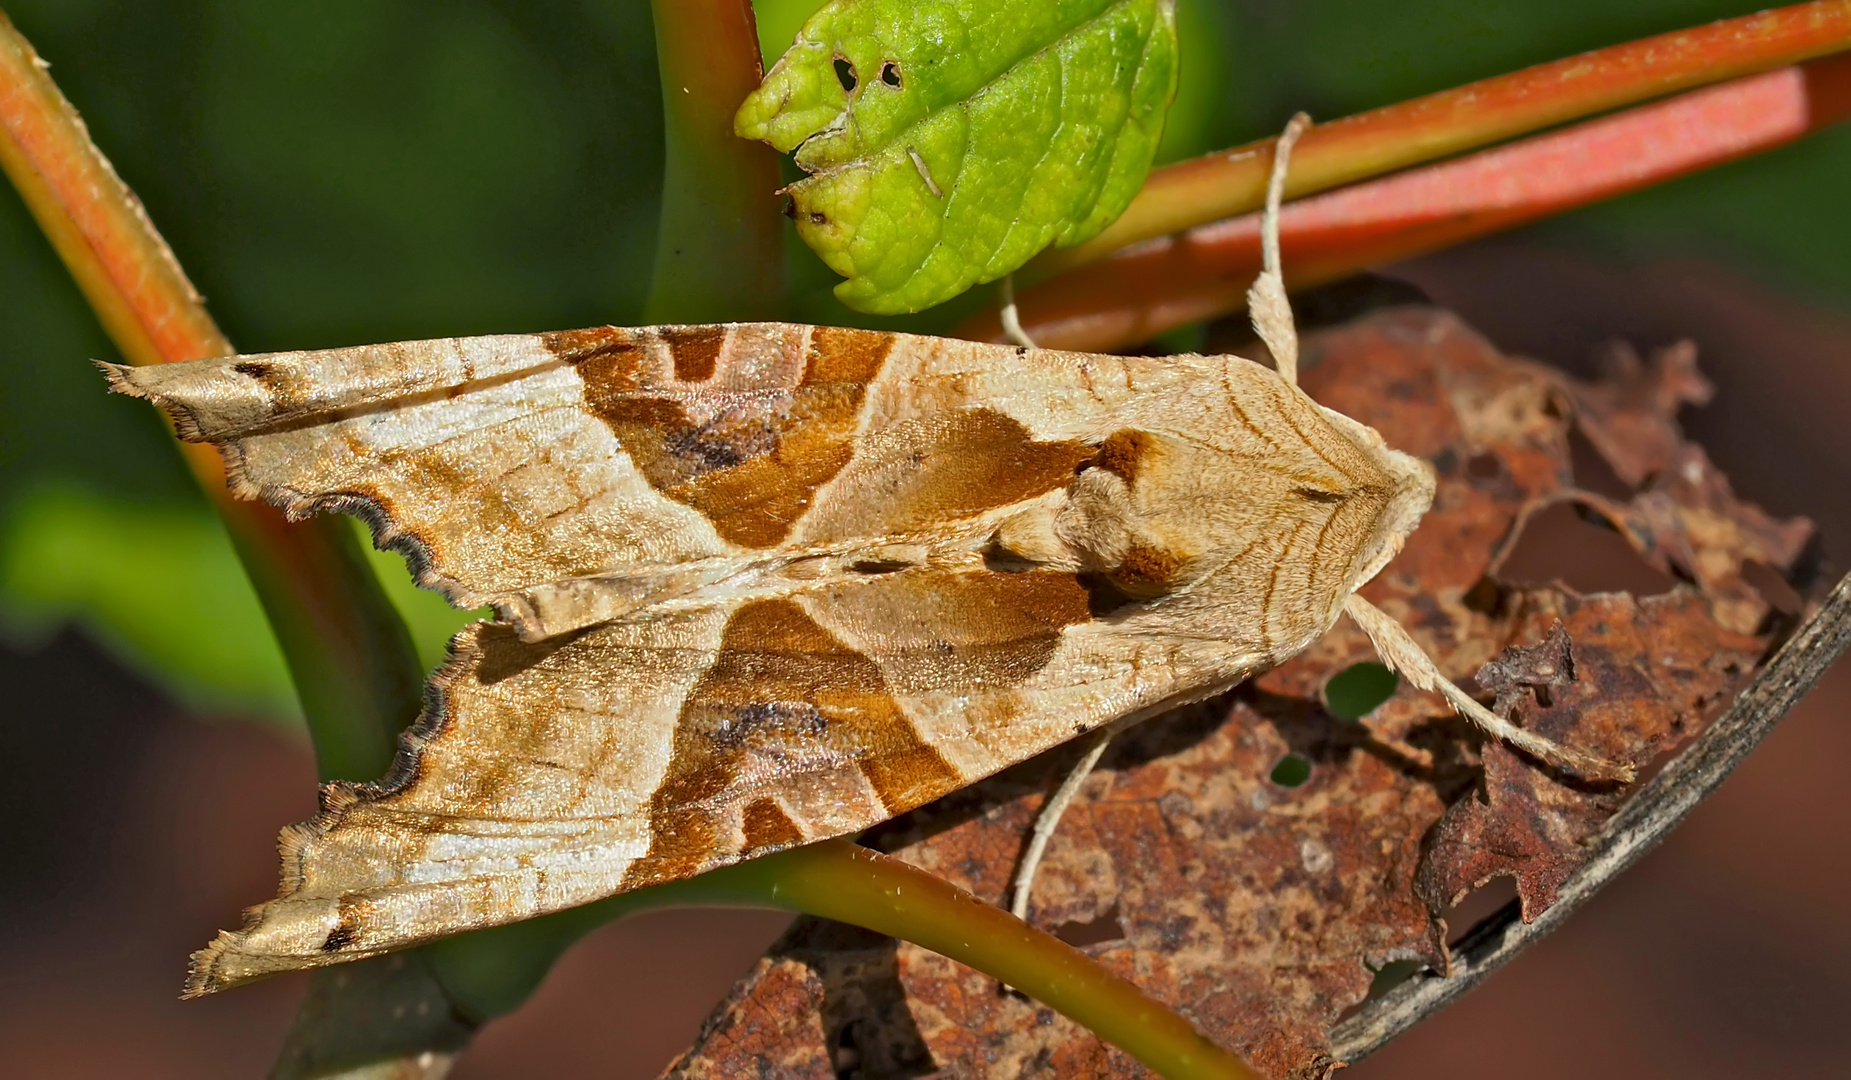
(1259, 910)
(1621, 676)
(1630, 413)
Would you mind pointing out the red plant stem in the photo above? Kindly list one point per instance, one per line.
(1205, 272)
(349, 652)
(1230, 182)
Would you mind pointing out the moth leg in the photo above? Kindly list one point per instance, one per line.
(1049, 819)
(1400, 651)
(1012, 320)
(1266, 302)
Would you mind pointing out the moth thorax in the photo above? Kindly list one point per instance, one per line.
(1112, 536)
(1123, 519)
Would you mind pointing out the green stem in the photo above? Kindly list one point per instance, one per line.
(720, 246)
(839, 880)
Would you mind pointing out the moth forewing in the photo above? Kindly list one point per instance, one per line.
(762, 584)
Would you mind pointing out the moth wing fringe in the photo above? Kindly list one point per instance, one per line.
(295, 505)
(337, 798)
(122, 380)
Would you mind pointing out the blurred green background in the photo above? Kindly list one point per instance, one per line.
(366, 170)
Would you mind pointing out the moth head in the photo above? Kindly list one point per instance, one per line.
(856, 77)
(1411, 496)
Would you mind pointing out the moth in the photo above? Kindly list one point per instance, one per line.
(760, 584)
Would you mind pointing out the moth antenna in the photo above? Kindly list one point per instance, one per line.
(1049, 819)
(1012, 321)
(1400, 651)
(1266, 302)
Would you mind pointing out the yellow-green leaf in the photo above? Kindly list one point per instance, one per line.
(949, 142)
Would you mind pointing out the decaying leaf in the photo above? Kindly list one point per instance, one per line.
(1259, 910)
(1648, 669)
(1689, 523)
(948, 143)
(1630, 413)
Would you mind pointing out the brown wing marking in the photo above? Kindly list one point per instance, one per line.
(1121, 451)
(767, 827)
(694, 350)
(936, 631)
(752, 466)
(947, 466)
(785, 700)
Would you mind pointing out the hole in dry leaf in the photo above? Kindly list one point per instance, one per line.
(1560, 544)
(1485, 466)
(1478, 905)
(1292, 771)
(844, 1055)
(1359, 689)
(1773, 588)
(1093, 931)
(845, 74)
(1393, 974)
(890, 74)
(1591, 471)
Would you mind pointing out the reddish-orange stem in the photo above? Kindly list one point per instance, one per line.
(351, 657)
(1368, 144)
(1205, 272)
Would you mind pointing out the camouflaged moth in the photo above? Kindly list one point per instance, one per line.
(761, 584)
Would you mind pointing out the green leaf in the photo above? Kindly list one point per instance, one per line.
(948, 143)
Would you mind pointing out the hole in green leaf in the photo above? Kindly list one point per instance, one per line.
(1292, 771)
(1354, 692)
(890, 74)
(845, 74)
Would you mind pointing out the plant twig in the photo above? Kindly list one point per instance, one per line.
(1231, 182)
(491, 972)
(1641, 823)
(1203, 273)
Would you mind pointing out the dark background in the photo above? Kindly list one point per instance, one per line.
(366, 170)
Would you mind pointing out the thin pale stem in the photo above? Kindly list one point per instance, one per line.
(1049, 819)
